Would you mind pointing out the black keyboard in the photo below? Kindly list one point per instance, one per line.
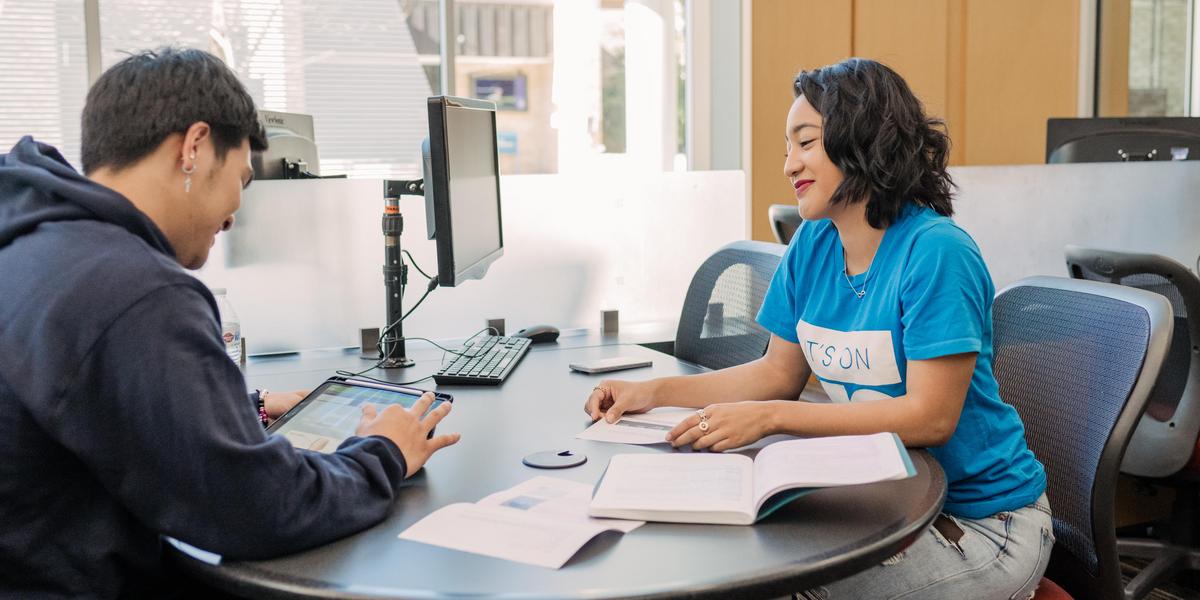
(484, 361)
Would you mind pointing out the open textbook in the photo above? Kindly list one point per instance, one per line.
(732, 489)
(541, 522)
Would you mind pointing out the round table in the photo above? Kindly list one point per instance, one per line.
(820, 537)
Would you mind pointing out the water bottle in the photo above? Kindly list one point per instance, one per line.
(231, 327)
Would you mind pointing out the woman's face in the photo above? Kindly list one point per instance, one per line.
(813, 176)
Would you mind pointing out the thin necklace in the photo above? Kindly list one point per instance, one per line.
(846, 274)
(858, 293)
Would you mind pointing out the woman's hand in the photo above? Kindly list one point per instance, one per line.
(725, 426)
(278, 403)
(612, 398)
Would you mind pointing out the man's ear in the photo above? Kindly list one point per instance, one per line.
(197, 135)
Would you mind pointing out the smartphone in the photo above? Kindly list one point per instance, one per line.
(330, 414)
(604, 365)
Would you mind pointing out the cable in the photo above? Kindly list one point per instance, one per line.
(392, 347)
(415, 265)
(433, 283)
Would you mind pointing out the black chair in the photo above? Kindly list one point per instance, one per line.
(1164, 444)
(785, 220)
(1078, 359)
(717, 327)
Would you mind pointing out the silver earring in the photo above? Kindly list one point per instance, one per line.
(187, 181)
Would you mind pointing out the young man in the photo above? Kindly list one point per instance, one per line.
(121, 417)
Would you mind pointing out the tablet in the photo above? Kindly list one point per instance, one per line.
(331, 413)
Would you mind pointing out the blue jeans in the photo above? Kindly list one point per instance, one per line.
(1000, 556)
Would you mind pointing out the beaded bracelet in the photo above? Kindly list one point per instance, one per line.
(262, 408)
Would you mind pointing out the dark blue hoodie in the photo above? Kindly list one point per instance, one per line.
(122, 419)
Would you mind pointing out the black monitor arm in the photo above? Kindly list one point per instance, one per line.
(395, 272)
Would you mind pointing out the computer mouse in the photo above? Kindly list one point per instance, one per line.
(539, 334)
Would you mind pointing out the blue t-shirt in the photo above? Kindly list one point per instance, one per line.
(928, 294)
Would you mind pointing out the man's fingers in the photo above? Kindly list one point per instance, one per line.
(369, 412)
(441, 441)
(422, 404)
(435, 416)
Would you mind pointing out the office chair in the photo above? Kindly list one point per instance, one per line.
(717, 327)
(1164, 446)
(785, 220)
(1078, 359)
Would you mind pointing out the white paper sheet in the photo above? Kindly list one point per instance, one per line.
(541, 522)
(644, 428)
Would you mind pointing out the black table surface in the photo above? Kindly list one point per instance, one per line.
(817, 538)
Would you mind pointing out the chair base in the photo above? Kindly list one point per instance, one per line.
(1166, 560)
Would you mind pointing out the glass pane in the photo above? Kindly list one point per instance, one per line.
(557, 71)
(1158, 58)
(505, 53)
(679, 43)
(355, 66)
(612, 84)
(43, 73)
(1143, 58)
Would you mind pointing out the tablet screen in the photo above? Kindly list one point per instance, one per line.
(324, 419)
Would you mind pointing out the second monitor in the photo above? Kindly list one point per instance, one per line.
(462, 187)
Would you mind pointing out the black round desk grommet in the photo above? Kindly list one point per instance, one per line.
(550, 459)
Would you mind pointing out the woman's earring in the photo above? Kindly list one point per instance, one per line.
(187, 180)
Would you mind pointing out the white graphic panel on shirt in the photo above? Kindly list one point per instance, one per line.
(855, 357)
(837, 393)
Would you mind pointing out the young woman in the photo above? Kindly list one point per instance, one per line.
(888, 303)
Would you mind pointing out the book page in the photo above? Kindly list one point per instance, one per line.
(542, 522)
(504, 533)
(827, 461)
(555, 499)
(677, 483)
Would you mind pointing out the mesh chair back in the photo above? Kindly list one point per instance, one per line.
(1077, 360)
(717, 327)
(1166, 436)
(785, 220)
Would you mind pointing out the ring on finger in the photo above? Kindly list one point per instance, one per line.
(704, 425)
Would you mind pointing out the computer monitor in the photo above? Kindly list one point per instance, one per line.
(462, 187)
(291, 151)
(1122, 139)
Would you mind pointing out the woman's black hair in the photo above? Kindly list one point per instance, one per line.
(877, 133)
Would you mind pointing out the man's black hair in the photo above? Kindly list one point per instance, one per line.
(877, 133)
(145, 98)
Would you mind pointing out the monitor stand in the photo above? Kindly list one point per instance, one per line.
(395, 273)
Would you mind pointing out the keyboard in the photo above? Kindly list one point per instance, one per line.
(485, 360)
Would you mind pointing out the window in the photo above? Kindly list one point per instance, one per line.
(352, 65)
(43, 73)
(557, 70)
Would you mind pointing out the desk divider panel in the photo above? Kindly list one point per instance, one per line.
(303, 261)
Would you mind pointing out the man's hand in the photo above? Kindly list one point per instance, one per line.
(408, 429)
(278, 403)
